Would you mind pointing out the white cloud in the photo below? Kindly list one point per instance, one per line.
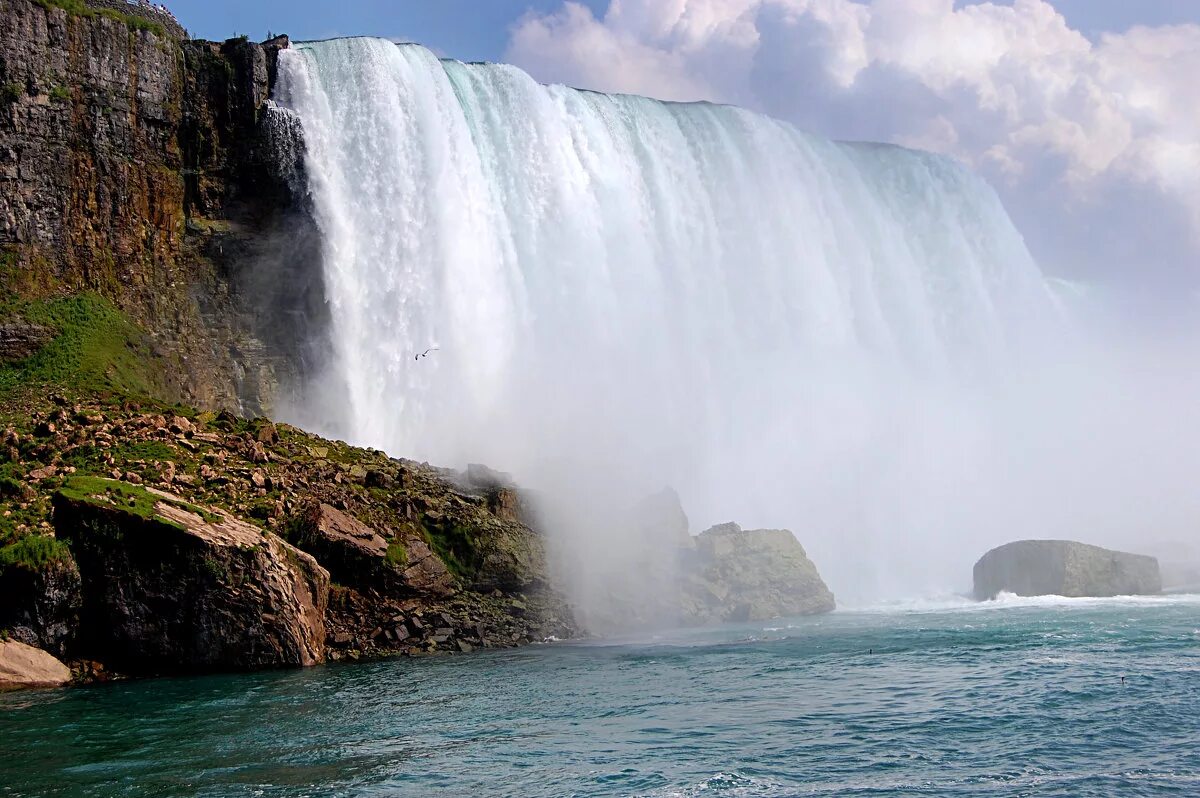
(1054, 118)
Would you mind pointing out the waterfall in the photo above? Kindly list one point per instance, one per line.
(781, 326)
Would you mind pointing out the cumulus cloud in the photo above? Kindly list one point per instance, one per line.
(1102, 136)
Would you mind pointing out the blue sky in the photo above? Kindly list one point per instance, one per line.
(478, 29)
(471, 30)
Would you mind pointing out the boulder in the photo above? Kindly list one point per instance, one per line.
(23, 666)
(40, 604)
(749, 575)
(170, 586)
(1064, 568)
(357, 556)
(20, 339)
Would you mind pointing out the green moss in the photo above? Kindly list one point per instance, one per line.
(60, 94)
(10, 93)
(218, 570)
(33, 552)
(97, 348)
(132, 498)
(397, 554)
(145, 450)
(79, 8)
(456, 545)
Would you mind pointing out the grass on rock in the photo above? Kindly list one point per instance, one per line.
(97, 349)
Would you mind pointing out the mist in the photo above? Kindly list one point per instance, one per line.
(848, 341)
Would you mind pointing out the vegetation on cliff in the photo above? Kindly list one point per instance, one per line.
(80, 8)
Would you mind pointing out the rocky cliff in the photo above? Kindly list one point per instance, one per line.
(1064, 568)
(139, 538)
(145, 167)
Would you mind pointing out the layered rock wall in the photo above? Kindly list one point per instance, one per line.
(141, 166)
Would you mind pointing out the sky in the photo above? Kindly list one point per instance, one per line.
(1084, 114)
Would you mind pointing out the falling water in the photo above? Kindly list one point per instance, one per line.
(791, 331)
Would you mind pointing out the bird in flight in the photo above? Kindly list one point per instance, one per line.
(425, 353)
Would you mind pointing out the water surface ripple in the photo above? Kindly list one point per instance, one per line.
(1020, 699)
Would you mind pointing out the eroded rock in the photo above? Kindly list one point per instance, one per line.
(40, 605)
(358, 556)
(170, 586)
(1064, 568)
(748, 575)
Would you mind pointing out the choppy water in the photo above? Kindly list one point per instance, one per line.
(1021, 699)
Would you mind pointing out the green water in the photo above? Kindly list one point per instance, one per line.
(1020, 699)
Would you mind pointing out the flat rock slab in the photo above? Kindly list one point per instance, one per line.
(23, 666)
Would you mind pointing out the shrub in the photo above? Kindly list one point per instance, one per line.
(33, 552)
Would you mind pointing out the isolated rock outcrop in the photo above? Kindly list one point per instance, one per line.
(24, 666)
(747, 575)
(172, 586)
(1064, 568)
(358, 556)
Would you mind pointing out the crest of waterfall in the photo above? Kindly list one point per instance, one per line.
(627, 291)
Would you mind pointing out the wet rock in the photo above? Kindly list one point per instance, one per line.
(169, 586)
(1064, 568)
(746, 575)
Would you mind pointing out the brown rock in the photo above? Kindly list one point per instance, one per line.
(360, 557)
(267, 434)
(23, 666)
(38, 474)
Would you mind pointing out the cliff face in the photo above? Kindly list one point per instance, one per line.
(1064, 568)
(144, 167)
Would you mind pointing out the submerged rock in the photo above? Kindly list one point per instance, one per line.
(171, 586)
(23, 666)
(1064, 568)
(748, 575)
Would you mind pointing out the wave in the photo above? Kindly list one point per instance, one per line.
(960, 603)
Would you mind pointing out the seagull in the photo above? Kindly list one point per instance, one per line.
(425, 353)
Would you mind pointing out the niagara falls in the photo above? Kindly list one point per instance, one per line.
(599, 398)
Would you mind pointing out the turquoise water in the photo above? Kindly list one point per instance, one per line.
(992, 700)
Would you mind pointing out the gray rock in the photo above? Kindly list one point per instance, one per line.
(749, 575)
(20, 339)
(40, 606)
(1064, 568)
